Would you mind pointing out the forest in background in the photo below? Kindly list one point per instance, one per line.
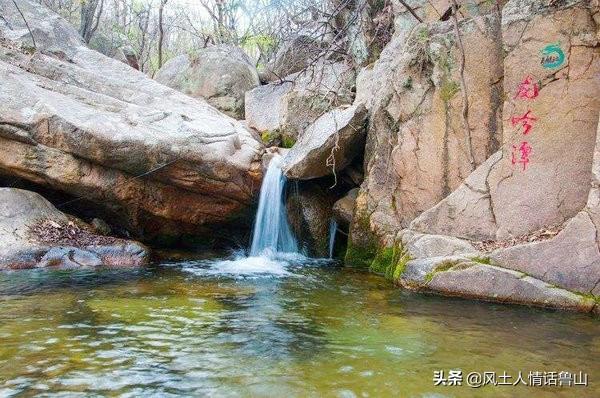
(153, 31)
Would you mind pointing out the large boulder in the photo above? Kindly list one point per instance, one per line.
(115, 46)
(33, 233)
(160, 163)
(455, 276)
(288, 107)
(220, 74)
(299, 51)
(328, 145)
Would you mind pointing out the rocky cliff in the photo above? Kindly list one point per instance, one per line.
(480, 145)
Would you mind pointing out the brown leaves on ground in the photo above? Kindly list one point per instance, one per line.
(69, 234)
(536, 236)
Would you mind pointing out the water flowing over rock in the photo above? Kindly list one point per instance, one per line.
(219, 74)
(156, 161)
(328, 145)
(272, 232)
(25, 242)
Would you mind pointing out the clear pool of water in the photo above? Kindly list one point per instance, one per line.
(278, 327)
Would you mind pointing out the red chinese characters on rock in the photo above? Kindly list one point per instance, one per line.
(527, 89)
(525, 121)
(520, 154)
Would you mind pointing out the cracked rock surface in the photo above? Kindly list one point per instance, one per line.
(73, 120)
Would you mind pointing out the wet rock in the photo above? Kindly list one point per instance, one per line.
(310, 214)
(33, 233)
(219, 74)
(343, 209)
(161, 163)
(100, 226)
(328, 145)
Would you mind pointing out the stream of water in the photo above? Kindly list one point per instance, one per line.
(304, 328)
(272, 324)
(272, 233)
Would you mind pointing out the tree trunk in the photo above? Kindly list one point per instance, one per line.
(88, 20)
(161, 32)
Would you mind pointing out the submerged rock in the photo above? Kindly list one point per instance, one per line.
(219, 74)
(328, 145)
(158, 162)
(33, 233)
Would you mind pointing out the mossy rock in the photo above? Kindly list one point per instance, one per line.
(390, 262)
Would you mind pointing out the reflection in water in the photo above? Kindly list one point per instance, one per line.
(298, 328)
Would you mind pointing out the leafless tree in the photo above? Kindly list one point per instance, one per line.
(161, 32)
(90, 14)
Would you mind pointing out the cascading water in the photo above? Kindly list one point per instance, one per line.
(332, 231)
(272, 232)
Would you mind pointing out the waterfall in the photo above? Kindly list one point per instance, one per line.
(272, 232)
(332, 231)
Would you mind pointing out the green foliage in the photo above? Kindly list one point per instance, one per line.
(268, 136)
(265, 42)
(482, 260)
(287, 141)
(408, 83)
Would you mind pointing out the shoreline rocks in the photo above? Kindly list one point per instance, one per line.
(34, 234)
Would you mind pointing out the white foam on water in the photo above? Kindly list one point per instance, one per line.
(250, 266)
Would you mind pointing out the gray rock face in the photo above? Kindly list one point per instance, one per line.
(328, 145)
(425, 246)
(532, 183)
(160, 162)
(343, 209)
(298, 52)
(418, 147)
(220, 74)
(460, 277)
(115, 46)
(21, 215)
(309, 211)
(288, 107)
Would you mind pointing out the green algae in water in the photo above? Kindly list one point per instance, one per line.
(320, 331)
